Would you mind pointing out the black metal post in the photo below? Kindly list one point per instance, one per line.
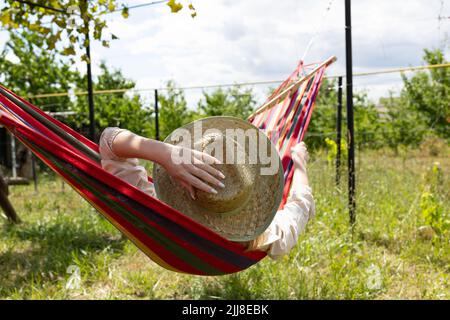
(90, 93)
(339, 132)
(156, 116)
(350, 120)
(89, 73)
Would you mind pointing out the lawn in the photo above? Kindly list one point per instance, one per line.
(65, 250)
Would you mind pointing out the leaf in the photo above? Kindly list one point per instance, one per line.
(60, 23)
(114, 37)
(105, 43)
(174, 6)
(191, 6)
(69, 51)
(84, 57)
(44, 30)
(125, 12)
(193, 14)
(111, 5)
(5, 17)
(34, 26)
(50, 43)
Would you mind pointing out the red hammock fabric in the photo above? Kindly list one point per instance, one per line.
(287, 121)
(168, 237)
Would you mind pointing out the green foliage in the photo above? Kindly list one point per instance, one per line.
(55, 21)
(323, 120)
(367, 122)
(173, 112)
(432, 200)
(36, 70)
(332, 150)
(40, 71)
(381, 259)
(234, 102)
(402, 127)
(114, 109)
(428, 94)
(421, 110)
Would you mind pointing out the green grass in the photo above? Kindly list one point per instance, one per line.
(384, 258)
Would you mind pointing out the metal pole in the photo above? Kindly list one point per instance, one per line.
(339, 132)
(90, 93)
(350, 120)
(156, 116)
(89, 72)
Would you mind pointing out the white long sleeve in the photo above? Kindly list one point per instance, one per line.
(127, 169)
(282, 234)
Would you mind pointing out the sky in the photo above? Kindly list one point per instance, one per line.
(261, 40)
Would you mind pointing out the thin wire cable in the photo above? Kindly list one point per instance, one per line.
(318, 30)
(361, 74)
(139, 6)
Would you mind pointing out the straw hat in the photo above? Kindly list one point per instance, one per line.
(248, 203)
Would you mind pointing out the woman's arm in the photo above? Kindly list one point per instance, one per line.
(300, 159)
(282, 234)
(197, 174)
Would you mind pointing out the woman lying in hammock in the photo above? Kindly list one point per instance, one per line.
(120, 150)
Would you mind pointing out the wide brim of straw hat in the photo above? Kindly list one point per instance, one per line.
(253, 216)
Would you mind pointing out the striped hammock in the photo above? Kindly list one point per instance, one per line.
(168, 237)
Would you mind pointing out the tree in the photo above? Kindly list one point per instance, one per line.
(323, 119)
(173, 111)
(367, 122)
(402, 127)
(231, 102)
(114, 109)
(428, 94)
(57, 21)
(35, 71)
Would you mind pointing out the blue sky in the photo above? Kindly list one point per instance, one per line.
(257, 40)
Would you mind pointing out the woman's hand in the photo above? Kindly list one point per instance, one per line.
(192, 169)
(300, 156)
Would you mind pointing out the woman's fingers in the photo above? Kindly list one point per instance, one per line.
(188, 188)
(204, 157)
(210, 169)
(204, 176)
(199, 184)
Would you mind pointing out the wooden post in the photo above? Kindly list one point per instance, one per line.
(5, 204)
